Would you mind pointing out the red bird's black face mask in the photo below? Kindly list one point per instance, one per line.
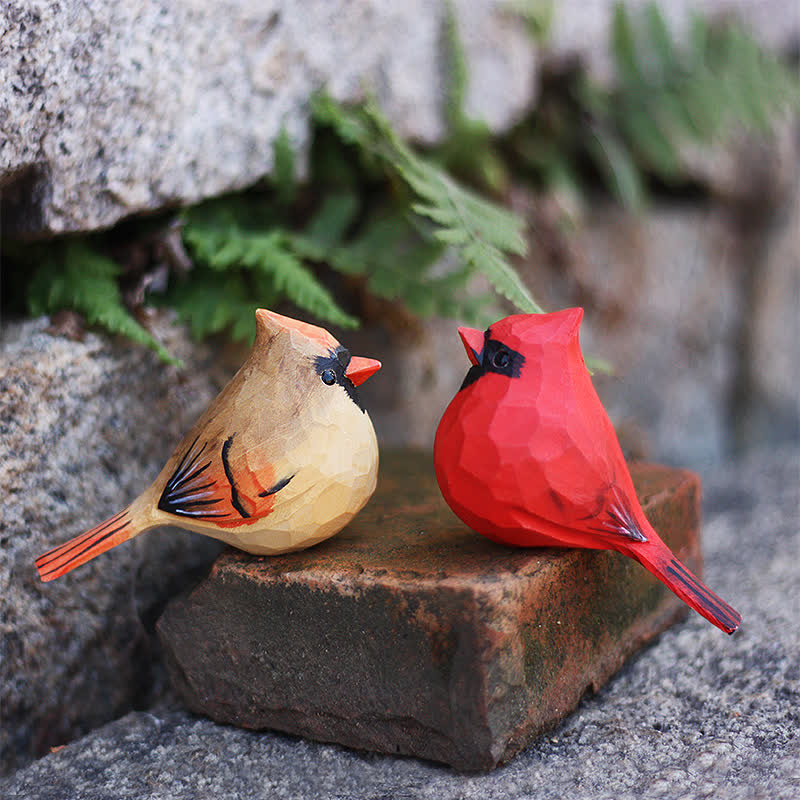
(494, 357)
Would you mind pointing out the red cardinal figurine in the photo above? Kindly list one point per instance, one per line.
(283, 458)
(525, 454)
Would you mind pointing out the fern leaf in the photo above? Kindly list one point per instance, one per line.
(659, 42)
(485, 230)
(455, 69)
(352, 128)
(292, 278)
(623, 47)
(336, 214)
(270, 254)
(481, 232)
(79, 278)
(619, 167)
(212, 302)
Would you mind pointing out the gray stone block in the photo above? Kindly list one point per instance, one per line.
(84, 427)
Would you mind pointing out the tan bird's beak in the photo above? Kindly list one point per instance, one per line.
(359, 369)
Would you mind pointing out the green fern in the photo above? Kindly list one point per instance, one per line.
(469, 150)
(262, 258)
(77, 277)
(670, 94)
(482, 233)
(536, 15)
(213, 302)
(284, 171)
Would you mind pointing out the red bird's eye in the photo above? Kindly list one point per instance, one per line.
(501, 359)
(328, 377)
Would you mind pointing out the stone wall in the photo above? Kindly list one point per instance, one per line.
(111, 108)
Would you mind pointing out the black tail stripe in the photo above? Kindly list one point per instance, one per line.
(723, 611)
(714, 602)
(59, 551)
(86, 549)
(692, 581)
(704, 592)
(682, 573)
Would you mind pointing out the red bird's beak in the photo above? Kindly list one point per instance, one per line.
(359, 369)
(473, 344)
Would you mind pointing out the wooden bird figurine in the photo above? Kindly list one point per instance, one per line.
(283, 458)
(525, 454)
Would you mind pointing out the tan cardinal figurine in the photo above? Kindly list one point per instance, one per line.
(285, 457)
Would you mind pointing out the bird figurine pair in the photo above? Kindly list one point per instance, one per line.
(286, 455)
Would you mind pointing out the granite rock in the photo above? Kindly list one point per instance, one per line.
(112, 108)
(85, 426)
(696, 715)
(109, 109)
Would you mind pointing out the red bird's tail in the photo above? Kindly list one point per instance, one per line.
(83, 548)
(663, 564)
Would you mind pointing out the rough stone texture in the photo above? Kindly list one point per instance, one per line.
(697, 715)
(408, 633)
(112, 107)
(84, 427)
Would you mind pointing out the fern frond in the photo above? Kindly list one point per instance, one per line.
(481, 232)
(671, 94)
(213, 302)
(284, 170)
(292, 278)
(228, 248)
(77, 277)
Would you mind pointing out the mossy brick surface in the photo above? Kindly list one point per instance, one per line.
(408, 633)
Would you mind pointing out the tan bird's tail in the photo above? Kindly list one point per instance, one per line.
(86, 546)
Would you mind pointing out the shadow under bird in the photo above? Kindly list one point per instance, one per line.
(525, 454)
(283, 458)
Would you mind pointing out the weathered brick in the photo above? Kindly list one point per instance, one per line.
(408, 633)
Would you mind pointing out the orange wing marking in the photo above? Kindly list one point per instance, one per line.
(232, 496)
